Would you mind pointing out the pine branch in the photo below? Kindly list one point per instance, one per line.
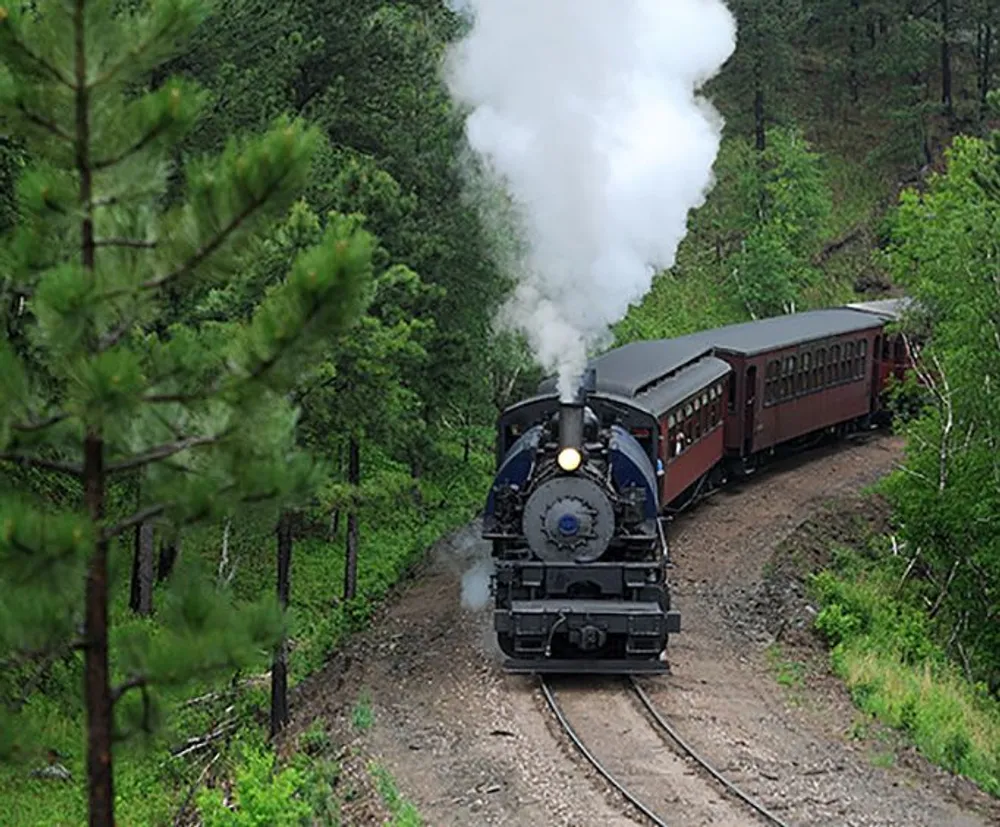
(41, 63)
(212, 246)
(135, 682)
(38, 425)
(138, 146)
(134, 55)
(115, 200)
(125, 242)
(166, 450)
(258, 371)
(159, 508)
(184, 398)
(27, 461)
(205, 250)
(133, 520)
(264, 366)
(48, 126)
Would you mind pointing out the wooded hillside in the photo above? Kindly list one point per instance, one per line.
(247, 295)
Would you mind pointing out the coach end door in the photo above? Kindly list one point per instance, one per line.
(749, 409)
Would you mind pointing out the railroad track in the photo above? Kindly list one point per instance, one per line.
(661, 725)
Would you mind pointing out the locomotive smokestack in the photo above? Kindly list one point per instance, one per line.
(571, 425)
(570, 435)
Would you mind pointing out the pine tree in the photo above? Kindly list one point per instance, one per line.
(96, 387)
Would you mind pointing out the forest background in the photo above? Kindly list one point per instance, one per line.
(857, 162)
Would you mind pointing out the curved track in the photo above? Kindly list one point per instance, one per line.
(659, 724)
(731, 788)
(595, 762)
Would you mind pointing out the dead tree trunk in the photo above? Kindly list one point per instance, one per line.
(279, 666)
(351, 559)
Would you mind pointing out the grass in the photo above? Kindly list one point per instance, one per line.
(403, 812)
(884, 650)
(363, 718)
(788, 673)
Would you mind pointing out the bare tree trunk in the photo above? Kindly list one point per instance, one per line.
(760, 132)
(985, 67)
(351, 561)
(279, 666)
(335, 514)
(97, 691)
(467, 444)
(141, 597)
(852, 73)
(946, 58)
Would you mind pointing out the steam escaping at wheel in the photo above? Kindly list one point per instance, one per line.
(579, 553)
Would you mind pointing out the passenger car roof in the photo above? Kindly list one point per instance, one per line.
(677, 387)
(631, 369)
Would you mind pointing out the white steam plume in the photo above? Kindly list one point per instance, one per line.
(587, 112)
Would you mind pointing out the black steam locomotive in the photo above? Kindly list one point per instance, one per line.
(580, 555)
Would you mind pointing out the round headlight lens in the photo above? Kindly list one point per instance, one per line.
(569, 459)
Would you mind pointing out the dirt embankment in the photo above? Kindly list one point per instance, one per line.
(471, 746)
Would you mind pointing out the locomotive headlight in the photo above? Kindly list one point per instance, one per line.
(569, 459)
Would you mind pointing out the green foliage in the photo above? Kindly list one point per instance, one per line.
(947, 497)
(883, 647)
(779, 205)
(104, 385)
(263, 796)
(764, 62)
(11, 163)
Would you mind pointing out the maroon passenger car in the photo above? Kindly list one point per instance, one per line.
(727, 397)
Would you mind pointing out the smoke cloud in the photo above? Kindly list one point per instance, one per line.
(586, 113)
(476, 585)
(467, 554)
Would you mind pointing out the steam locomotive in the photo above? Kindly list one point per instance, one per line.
(579, 551)
(575, 514)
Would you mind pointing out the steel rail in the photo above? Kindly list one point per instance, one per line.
(597, 765)
(759, 808)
